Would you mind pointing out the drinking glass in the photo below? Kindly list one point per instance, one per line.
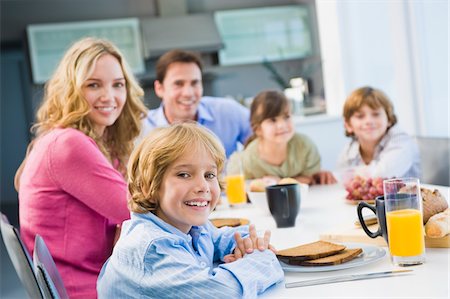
(404, 220)
(235, 185)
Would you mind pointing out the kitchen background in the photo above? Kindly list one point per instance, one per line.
(398, 46)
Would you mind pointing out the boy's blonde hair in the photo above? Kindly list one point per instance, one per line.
(374, 98)
(162, 147)
(64, 105)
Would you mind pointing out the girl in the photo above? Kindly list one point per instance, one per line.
(168, 248)
(71, 185)
(275, 151)
(378, 143)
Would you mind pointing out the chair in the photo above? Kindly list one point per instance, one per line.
(435, 160)
(47, 274)
(20, 258)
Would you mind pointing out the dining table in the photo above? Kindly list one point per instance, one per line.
(323, 209)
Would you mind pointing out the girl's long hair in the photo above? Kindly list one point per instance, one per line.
(266, 104)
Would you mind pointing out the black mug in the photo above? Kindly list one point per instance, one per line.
(380, 211)
(284, 203)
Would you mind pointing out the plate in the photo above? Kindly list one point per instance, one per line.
(369, 255)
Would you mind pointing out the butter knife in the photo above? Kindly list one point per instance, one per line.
(345, 278)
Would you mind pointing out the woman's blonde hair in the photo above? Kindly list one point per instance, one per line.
(162, 147)
(371, 97)
(64, 105)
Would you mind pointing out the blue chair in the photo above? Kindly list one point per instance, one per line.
(20, 258)
(47, 274)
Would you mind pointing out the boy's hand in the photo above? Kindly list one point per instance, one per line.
(248, 244)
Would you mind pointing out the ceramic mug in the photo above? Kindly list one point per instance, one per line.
(379, 211)
(284, 203)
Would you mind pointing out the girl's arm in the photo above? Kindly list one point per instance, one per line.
(324, 177)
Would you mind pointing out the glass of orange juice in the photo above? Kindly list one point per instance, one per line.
(235, 185)
(404, 220)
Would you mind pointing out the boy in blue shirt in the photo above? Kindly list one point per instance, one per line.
(168, 248)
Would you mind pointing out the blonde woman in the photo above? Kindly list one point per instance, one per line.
(72, 189)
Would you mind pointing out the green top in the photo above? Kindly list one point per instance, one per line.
(303, 159)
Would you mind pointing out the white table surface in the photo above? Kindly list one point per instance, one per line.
(323, 210)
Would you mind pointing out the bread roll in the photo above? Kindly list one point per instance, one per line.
(438, 225)
(287, 181)
(257, 185)
(433, 203)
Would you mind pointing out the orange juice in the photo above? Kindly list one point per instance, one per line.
(405, 232)
(235, 189)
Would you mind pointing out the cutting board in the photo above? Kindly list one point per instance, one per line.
(357, 235)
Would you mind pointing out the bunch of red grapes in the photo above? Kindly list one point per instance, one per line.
(361, 188)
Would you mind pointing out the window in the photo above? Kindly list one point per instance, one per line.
(47, 43)
(254, 35)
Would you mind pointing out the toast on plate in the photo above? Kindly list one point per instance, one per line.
(232, 222)
(310, 251)
(336, 259)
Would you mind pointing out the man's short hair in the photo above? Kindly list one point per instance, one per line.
(173, 56)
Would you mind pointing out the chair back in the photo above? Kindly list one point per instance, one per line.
(48, 276)
(20, 258)
(435, 160)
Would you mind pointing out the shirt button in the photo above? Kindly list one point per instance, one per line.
(203, 264)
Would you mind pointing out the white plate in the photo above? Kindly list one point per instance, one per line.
(369, 255)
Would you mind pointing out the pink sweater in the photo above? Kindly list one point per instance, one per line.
(72, 196)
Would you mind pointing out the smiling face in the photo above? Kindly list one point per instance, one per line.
(105, 91)
(278, 129)
(368, 125)
(189, 190)
(180, 91)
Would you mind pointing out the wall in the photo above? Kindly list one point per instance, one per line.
(15, 117)
(327, 133)
(400, 47)
(20, 98)
(17, 14)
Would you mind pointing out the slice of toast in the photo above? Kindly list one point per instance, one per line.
(309, 251)
(220, 222)
(339, 258)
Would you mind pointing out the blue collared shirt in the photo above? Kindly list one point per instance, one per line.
(226, 118)
(153, 259)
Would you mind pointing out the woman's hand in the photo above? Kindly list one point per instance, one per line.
(249, 244)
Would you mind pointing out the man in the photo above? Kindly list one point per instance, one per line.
(179, 85)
